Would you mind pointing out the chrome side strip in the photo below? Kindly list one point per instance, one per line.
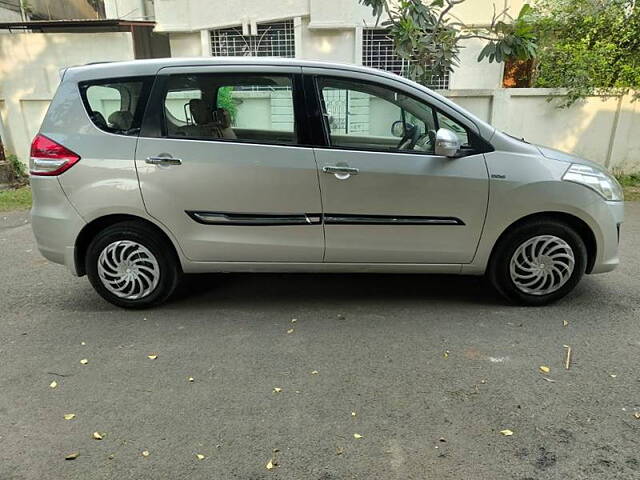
(350, 219)
(257, 219)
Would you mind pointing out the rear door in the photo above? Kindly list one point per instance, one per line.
(222, 163)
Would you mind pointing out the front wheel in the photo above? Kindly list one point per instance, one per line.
(538, 262)
(130, 266)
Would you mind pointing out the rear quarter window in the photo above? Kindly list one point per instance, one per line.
(116, 105)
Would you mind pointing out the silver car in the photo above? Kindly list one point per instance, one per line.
(146, 170)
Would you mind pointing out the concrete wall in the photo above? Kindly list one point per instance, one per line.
(604, 130)
(29, 76)
(10, 13)
(129, 9)
(185, 44)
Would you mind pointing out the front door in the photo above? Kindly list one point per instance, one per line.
(221, 166)
(387, 197)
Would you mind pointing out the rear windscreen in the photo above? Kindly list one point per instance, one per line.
(116, 105)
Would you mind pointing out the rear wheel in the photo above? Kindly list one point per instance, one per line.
(130, 266)
(538, 262)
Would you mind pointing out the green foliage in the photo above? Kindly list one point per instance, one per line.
(16, 167)
(589, 46)
(428, 38)
(226, 101)
(517, 39)
(630, 184)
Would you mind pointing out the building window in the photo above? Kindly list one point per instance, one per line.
(378, 52)
(274, 39)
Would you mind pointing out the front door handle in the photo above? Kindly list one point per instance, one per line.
(341, 172)
(163, 161)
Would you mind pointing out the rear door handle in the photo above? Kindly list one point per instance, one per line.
(163, 161)
(340, 171)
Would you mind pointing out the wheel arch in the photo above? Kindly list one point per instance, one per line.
(91, 229)
(580, 226)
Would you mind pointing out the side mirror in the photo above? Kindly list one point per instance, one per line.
(397, 129)
(447, 143)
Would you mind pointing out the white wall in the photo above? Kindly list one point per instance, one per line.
(329, 45)
(474, 74)
(604, 130)
(9, 15)
(125, 9)
(185, 44)
(191, 15)
(29, 76)
(182, 15)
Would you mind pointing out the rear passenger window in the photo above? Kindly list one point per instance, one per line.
(251, 108)
(116, 106)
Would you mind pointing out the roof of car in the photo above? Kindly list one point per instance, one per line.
(151, 66)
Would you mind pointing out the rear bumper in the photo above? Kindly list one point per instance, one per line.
(55, 222)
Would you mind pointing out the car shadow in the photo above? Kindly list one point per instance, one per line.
(286, 288)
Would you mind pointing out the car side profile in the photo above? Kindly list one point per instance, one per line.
(146, 170)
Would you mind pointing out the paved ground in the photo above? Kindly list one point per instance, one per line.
(378, 344)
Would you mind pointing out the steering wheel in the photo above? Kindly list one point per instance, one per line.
(410, 138)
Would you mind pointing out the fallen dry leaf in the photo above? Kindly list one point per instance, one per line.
(84, 361)
(353, 414)
(339, 450)
(294, 320)
(277, 389)
(544, 369)
(314, 372)
(637, 415)
(199, 456)
(506, 433)
(613, 375)
(53, 384)
(145, 453)
(565, 323)
(152, 357)
(271, 464)
(97, 436)
(357, 435)
(111, 457)
(72, 456)
(191, 379)
(446, 354)
(69, 416)
(290, 330)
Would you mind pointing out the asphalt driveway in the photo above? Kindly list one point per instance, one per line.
(424, 370)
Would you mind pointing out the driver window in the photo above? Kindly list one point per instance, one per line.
(373, 117)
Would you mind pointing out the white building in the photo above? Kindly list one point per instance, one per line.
(331, 30)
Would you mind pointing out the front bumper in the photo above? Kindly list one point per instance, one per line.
(610, 219)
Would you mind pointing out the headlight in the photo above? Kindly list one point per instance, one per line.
(596, 179)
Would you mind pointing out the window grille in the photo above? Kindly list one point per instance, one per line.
(378, 52)
(274, 39)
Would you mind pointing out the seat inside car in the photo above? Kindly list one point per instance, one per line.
(207, 122)
(121, 120)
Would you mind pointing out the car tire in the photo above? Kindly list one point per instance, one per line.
(538, 262)
(131, 266)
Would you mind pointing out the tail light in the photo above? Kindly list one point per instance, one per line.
(50, 158)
